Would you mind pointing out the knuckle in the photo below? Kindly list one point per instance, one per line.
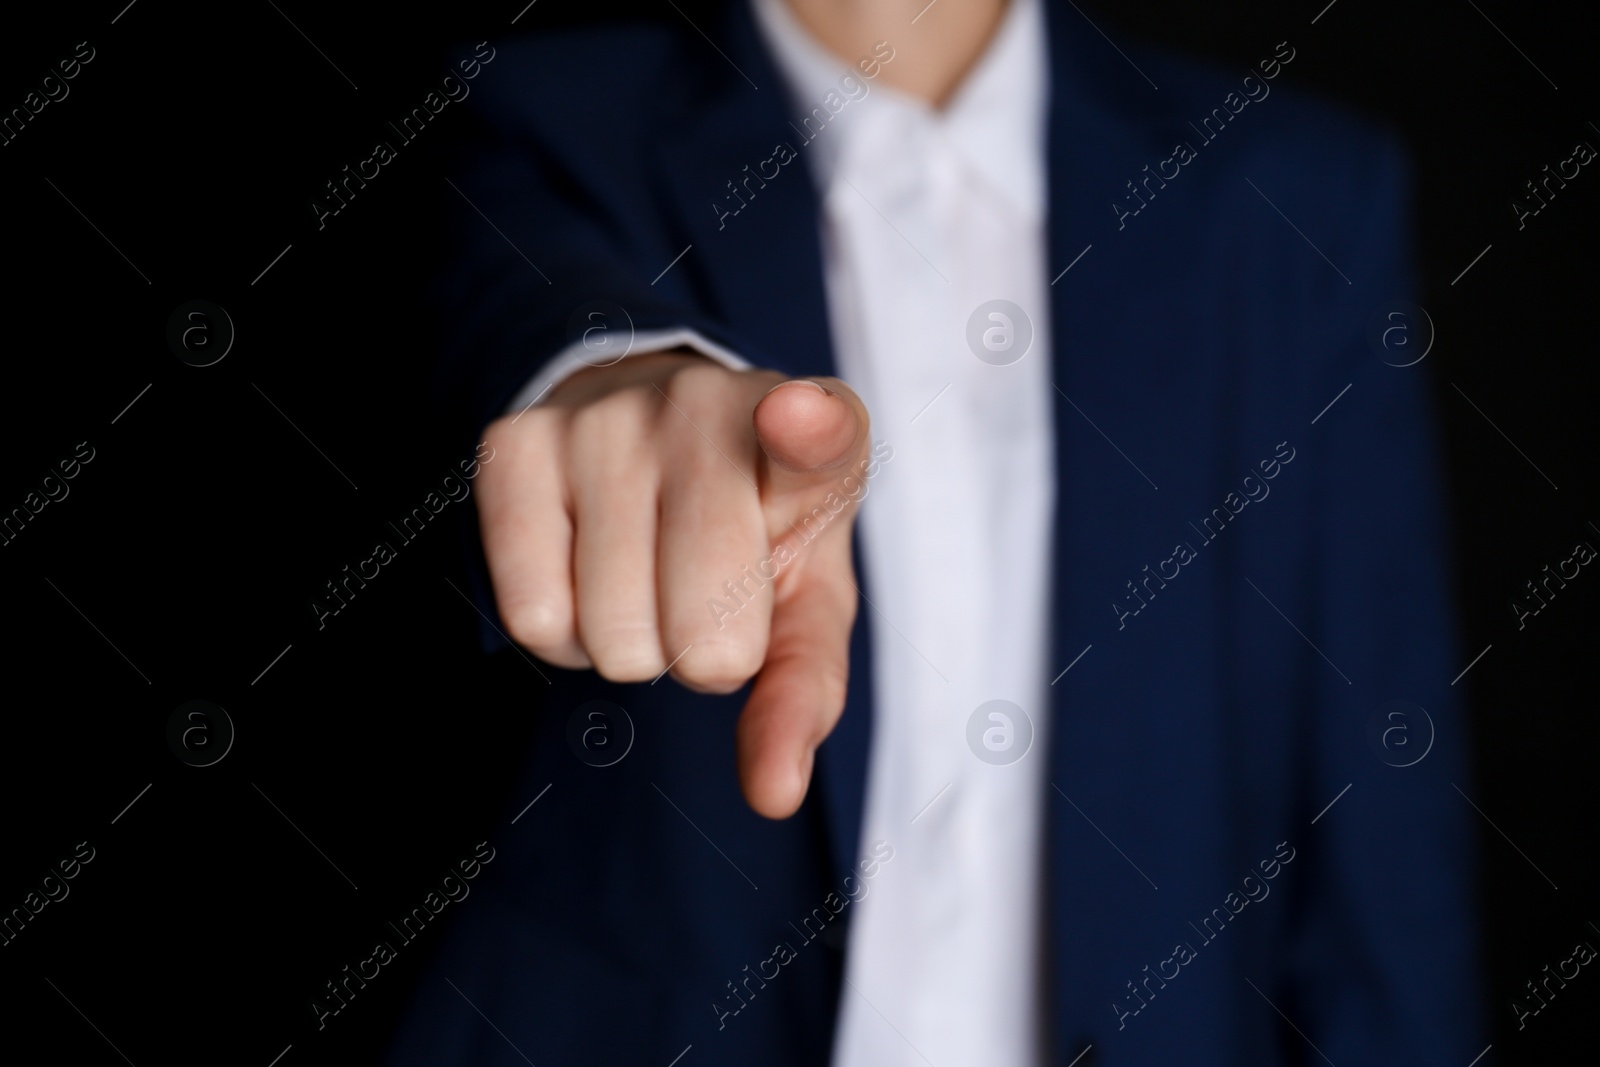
(704, 394)
(610, 436)
(625, 407)
(500, 431)
(518, 432)
(697, 379)
(519, 452)
(601, 418)
(537, 624)
(719, 666)
(833, 682)
(625, 653)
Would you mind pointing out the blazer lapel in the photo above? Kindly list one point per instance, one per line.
(1136, 346)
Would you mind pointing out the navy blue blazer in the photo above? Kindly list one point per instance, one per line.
(1256, 577)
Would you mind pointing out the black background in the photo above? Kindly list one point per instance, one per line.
(185, 557)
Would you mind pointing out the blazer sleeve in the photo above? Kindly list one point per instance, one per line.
(1384, 963)
(553, 232)
(552, 236)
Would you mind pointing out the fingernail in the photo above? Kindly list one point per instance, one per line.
(802, 381)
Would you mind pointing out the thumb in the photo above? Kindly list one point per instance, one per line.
(809, 430)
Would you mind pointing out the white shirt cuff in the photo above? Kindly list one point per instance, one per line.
(577, 356)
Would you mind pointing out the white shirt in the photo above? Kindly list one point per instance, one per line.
(926, 215)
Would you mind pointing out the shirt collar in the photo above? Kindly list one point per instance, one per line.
(995, 119)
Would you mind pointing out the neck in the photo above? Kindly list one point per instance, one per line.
(933, 55)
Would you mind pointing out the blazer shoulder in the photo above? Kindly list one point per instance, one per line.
(1266, 121)
(599, 79)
